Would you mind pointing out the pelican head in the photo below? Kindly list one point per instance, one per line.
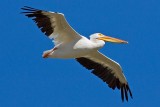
(99, 36)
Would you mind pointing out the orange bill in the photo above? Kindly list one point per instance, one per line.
(111, 39)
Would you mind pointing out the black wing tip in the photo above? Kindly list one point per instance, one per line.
(29, 8)
(124, 92)
(30, 12)
(130, 92)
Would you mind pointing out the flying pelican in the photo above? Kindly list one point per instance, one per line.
(70, 44)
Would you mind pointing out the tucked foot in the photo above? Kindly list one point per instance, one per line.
(47, 53)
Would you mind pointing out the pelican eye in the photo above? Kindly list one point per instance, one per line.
(100, 35)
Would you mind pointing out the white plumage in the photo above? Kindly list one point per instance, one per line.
(70, 44)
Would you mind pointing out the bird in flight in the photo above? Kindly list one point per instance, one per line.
(70, 44)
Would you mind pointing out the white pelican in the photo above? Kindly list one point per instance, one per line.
(70, 44)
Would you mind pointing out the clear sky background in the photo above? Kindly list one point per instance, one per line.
(28, 80)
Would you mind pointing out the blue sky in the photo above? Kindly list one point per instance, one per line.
(28, 80)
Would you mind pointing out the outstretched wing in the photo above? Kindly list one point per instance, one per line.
(52, 24)
(108, 70)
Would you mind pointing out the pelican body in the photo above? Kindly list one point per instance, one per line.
(78, 48)
(70, 44)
